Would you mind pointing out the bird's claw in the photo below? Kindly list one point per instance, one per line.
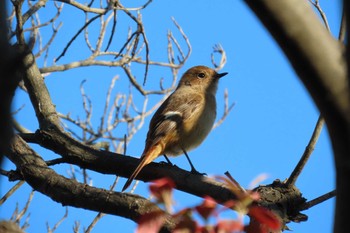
(167, 163)
(195, 172)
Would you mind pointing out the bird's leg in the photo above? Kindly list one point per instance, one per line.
(168, 160)
(193, 170)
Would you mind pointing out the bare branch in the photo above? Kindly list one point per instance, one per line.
(85, 8)
(113, 30)
(58, 223)
(218, 49)
(316, 4)
(20, 215)
(11, 191)
(75, 36)
(184, 57)
(227, 110)
(20, 22)
(140, 30)
(60, 188)
(38, 93)
(318, 200)
(301, 35)
(100, 214)
(342, 30)
(308, 150)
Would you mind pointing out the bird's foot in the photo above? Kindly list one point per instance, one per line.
(167, 163)
(195, 172)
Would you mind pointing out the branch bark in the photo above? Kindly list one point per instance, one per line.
(286, 201)
(38, 93)
(70, 192)
(74, 152)
(10, 67)
(321, 64)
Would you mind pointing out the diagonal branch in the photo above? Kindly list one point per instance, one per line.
(316, 56)
(318, 200)
(322, 64)
(306, 155)
(59, 188)
(39, 95)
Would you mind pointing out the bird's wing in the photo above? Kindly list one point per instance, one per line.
(172, 112)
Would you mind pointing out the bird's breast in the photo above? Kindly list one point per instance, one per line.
(196, 129)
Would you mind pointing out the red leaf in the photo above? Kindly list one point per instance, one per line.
(230, 204)
(255, 227)
(151, 222)
(161, 185)
(207, 207)
(265, 216)
(185, 223)
(229, 226)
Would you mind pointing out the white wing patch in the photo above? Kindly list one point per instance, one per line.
(171, 114)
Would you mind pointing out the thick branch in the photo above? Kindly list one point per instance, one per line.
(110, 163)
(105, 162)
(316, 56)
(10, 66)
(38, 93)
(72, 193)
(320, 63)
(307, 153)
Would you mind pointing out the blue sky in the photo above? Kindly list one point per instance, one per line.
(266, 132)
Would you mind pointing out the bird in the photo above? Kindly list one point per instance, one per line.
(183, 120)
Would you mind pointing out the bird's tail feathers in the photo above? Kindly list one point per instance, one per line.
(148, 156)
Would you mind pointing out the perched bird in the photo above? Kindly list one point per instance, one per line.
(184, 120)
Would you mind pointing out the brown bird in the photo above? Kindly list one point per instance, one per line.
(184, 120)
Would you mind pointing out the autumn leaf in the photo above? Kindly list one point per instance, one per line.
(151, 222)
(255, 227)
(228, 226)
(185, 223)
(265, 217)
(161, 185)
(162, 189)
(207, 208)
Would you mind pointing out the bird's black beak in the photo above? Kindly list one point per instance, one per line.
(221, 75)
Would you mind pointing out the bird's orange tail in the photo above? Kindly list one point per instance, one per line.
(151, 154)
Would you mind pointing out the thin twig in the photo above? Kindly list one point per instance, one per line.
(57, 224)
(55, 161)
(317, 5)
(227, 110)
(20, 23)
(113, 29)
(218, 49)
(20, 128)
(306, 155)
(100, 214)
(46, 47)
(186, 40)
(75, 36)
(11, 191)
(108, 97)
(318, 200)
(235, 182)
(342, 30)
(25, 209)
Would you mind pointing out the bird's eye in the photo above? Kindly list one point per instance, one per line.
(201, 75)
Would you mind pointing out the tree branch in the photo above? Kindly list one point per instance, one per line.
(72, 193)
(316, 56)
(319, 61)
(307, 153)
(38, 93)
(111, 163)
